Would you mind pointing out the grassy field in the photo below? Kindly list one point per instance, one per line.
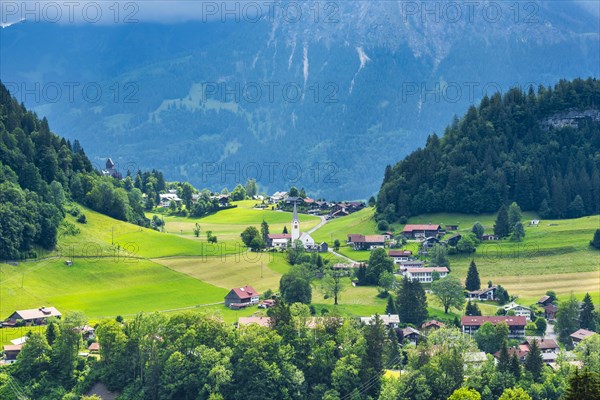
(228, 224)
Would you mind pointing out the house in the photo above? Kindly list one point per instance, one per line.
(487, 294)
(544, 301)
(580, 335)
(269, 303)
(20, 340)
(242, 297)
(534, 222)
(400, 256)
(421, 231)
(388, 235)
(451, 227)
(453, 240)
(368, 242)
(432, 325)
(389, 320)
(87, 332)
(516, 325)
(277, 197)
(424, 275)
(411, 334)
(306, 239)
(110, 170)
(489, 237)
(354, 206)
(545, 345)
(521, 353)
(322, 247)
(519, 310)
(36, 316)
(429, 242)
(11, 351)
(261, 321)
(278, 240)
(550, 312)
(94, 347)
(411, 264)
(167, 198)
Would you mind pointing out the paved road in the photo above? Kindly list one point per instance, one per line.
(323, 222)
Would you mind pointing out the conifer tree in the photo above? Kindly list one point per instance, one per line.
(587, 316)
(390, 308)
(473, 282)
(515, 366)
(534, 362)
(501, 227)
(504, 358)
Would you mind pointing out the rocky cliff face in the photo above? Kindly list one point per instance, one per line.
(324, 101)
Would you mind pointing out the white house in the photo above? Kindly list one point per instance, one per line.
(166, 198)
(519, 310)
(389, 320)
(400, 256)
(424, 275)
(279, 240)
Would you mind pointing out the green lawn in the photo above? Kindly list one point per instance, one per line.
(359, 222)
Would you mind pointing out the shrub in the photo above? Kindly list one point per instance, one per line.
(82, 219)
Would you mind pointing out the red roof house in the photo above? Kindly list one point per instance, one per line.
(242, 297)
(516, 324)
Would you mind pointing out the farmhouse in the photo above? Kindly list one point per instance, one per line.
(519, 310)
(580, 335)
(167, 198)
(488, 237)
(545, 345)
(278, 240)
(550, 312)
(453, 240)
(389, 320)
(11, 351)
(277, 197)
(400, 255)
(424, 275)
(411, 334)
(516, 325)
(368, 242)
(420, 231)
(36, 316)
(432, 325)
(429, 242)
(487, 294)
(544, 301)
(241, 297)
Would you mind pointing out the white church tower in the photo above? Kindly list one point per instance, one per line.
(295, 226)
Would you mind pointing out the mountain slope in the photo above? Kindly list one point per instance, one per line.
(199, 99)
(541, 150)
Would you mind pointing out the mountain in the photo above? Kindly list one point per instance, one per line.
(541, 150)
(325, 101)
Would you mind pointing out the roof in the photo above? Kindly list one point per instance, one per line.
(355, 238)
(428, 270)
(385, 318)
(513, 305)
(94, 346)
(20, 340)
(480, 320)
(551, 307)
(295, 214)
(279, 236)
(262, 321)
(545, 344)
(410, 331)
(433, 322)
(410, 228)
(543, 299)
(582, 334)
(399, 253)
(519, 352)
(482, 291)
(36, 313)
(12, 347)
(245, 292)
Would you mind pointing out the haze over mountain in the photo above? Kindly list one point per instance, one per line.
(339, 94)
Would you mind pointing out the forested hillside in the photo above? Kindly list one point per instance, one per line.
(39, 171)
(541, 150)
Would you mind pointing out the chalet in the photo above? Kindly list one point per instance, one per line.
(424, 275)
(94, 348)
(36, 316)
(241, 297)
(420, 231)
(580, 335)
(322, 205)
(487, 294)
(11, 351)
(322, 247)
(545, 345)
(544, 301)
(354, 206)
(279, 240)
(260, 321)
(550, 312)
(167, 198)
(400, 256)
(368, 242)
(277, 197)
(519, 310)
(453, 240)
(388, 235)
(339, 213)
(516, 325)
(520, 352)
(389, 320)
(432, 325)
(429, 242)
(489, 237)
(451, 227)
(223, 199)
(411, 334)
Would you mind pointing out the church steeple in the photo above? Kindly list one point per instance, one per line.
(295, 225)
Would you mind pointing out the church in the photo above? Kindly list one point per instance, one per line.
(283, 240)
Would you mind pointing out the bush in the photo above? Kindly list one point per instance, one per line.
(403, 220)
(383, 225)
(82, 219)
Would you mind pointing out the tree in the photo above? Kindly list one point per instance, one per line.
(489, 338)
(379, 262)
(371, 201)
(576, 209)
(587, 316)
(501, 226)
(533, 361)
(449, 291)
(251, 187)
(386, 282)
(293, 192)
(515, 366)
(515, 394)
(518, 232)
(504, 358)
(375, 337)
(34, 358)
(552, 295)
(52, 332)
(464, 393)
(257, 244)
(248, 235)
(583, 385)
(478, 230)
(333, 285)
(466, 244)
(567, 320)
(411, 302)
(438, 255)
(502, 295)
(187, 192)
(541, 325)
(514, 214)
(472, 309)
(295, 289)
(390, 307)
(473, 282)
(595, 243)
(336, 244)
(238, 193)
(264, 230)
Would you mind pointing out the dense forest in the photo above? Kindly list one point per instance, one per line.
(39, 173)
(541, 150)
